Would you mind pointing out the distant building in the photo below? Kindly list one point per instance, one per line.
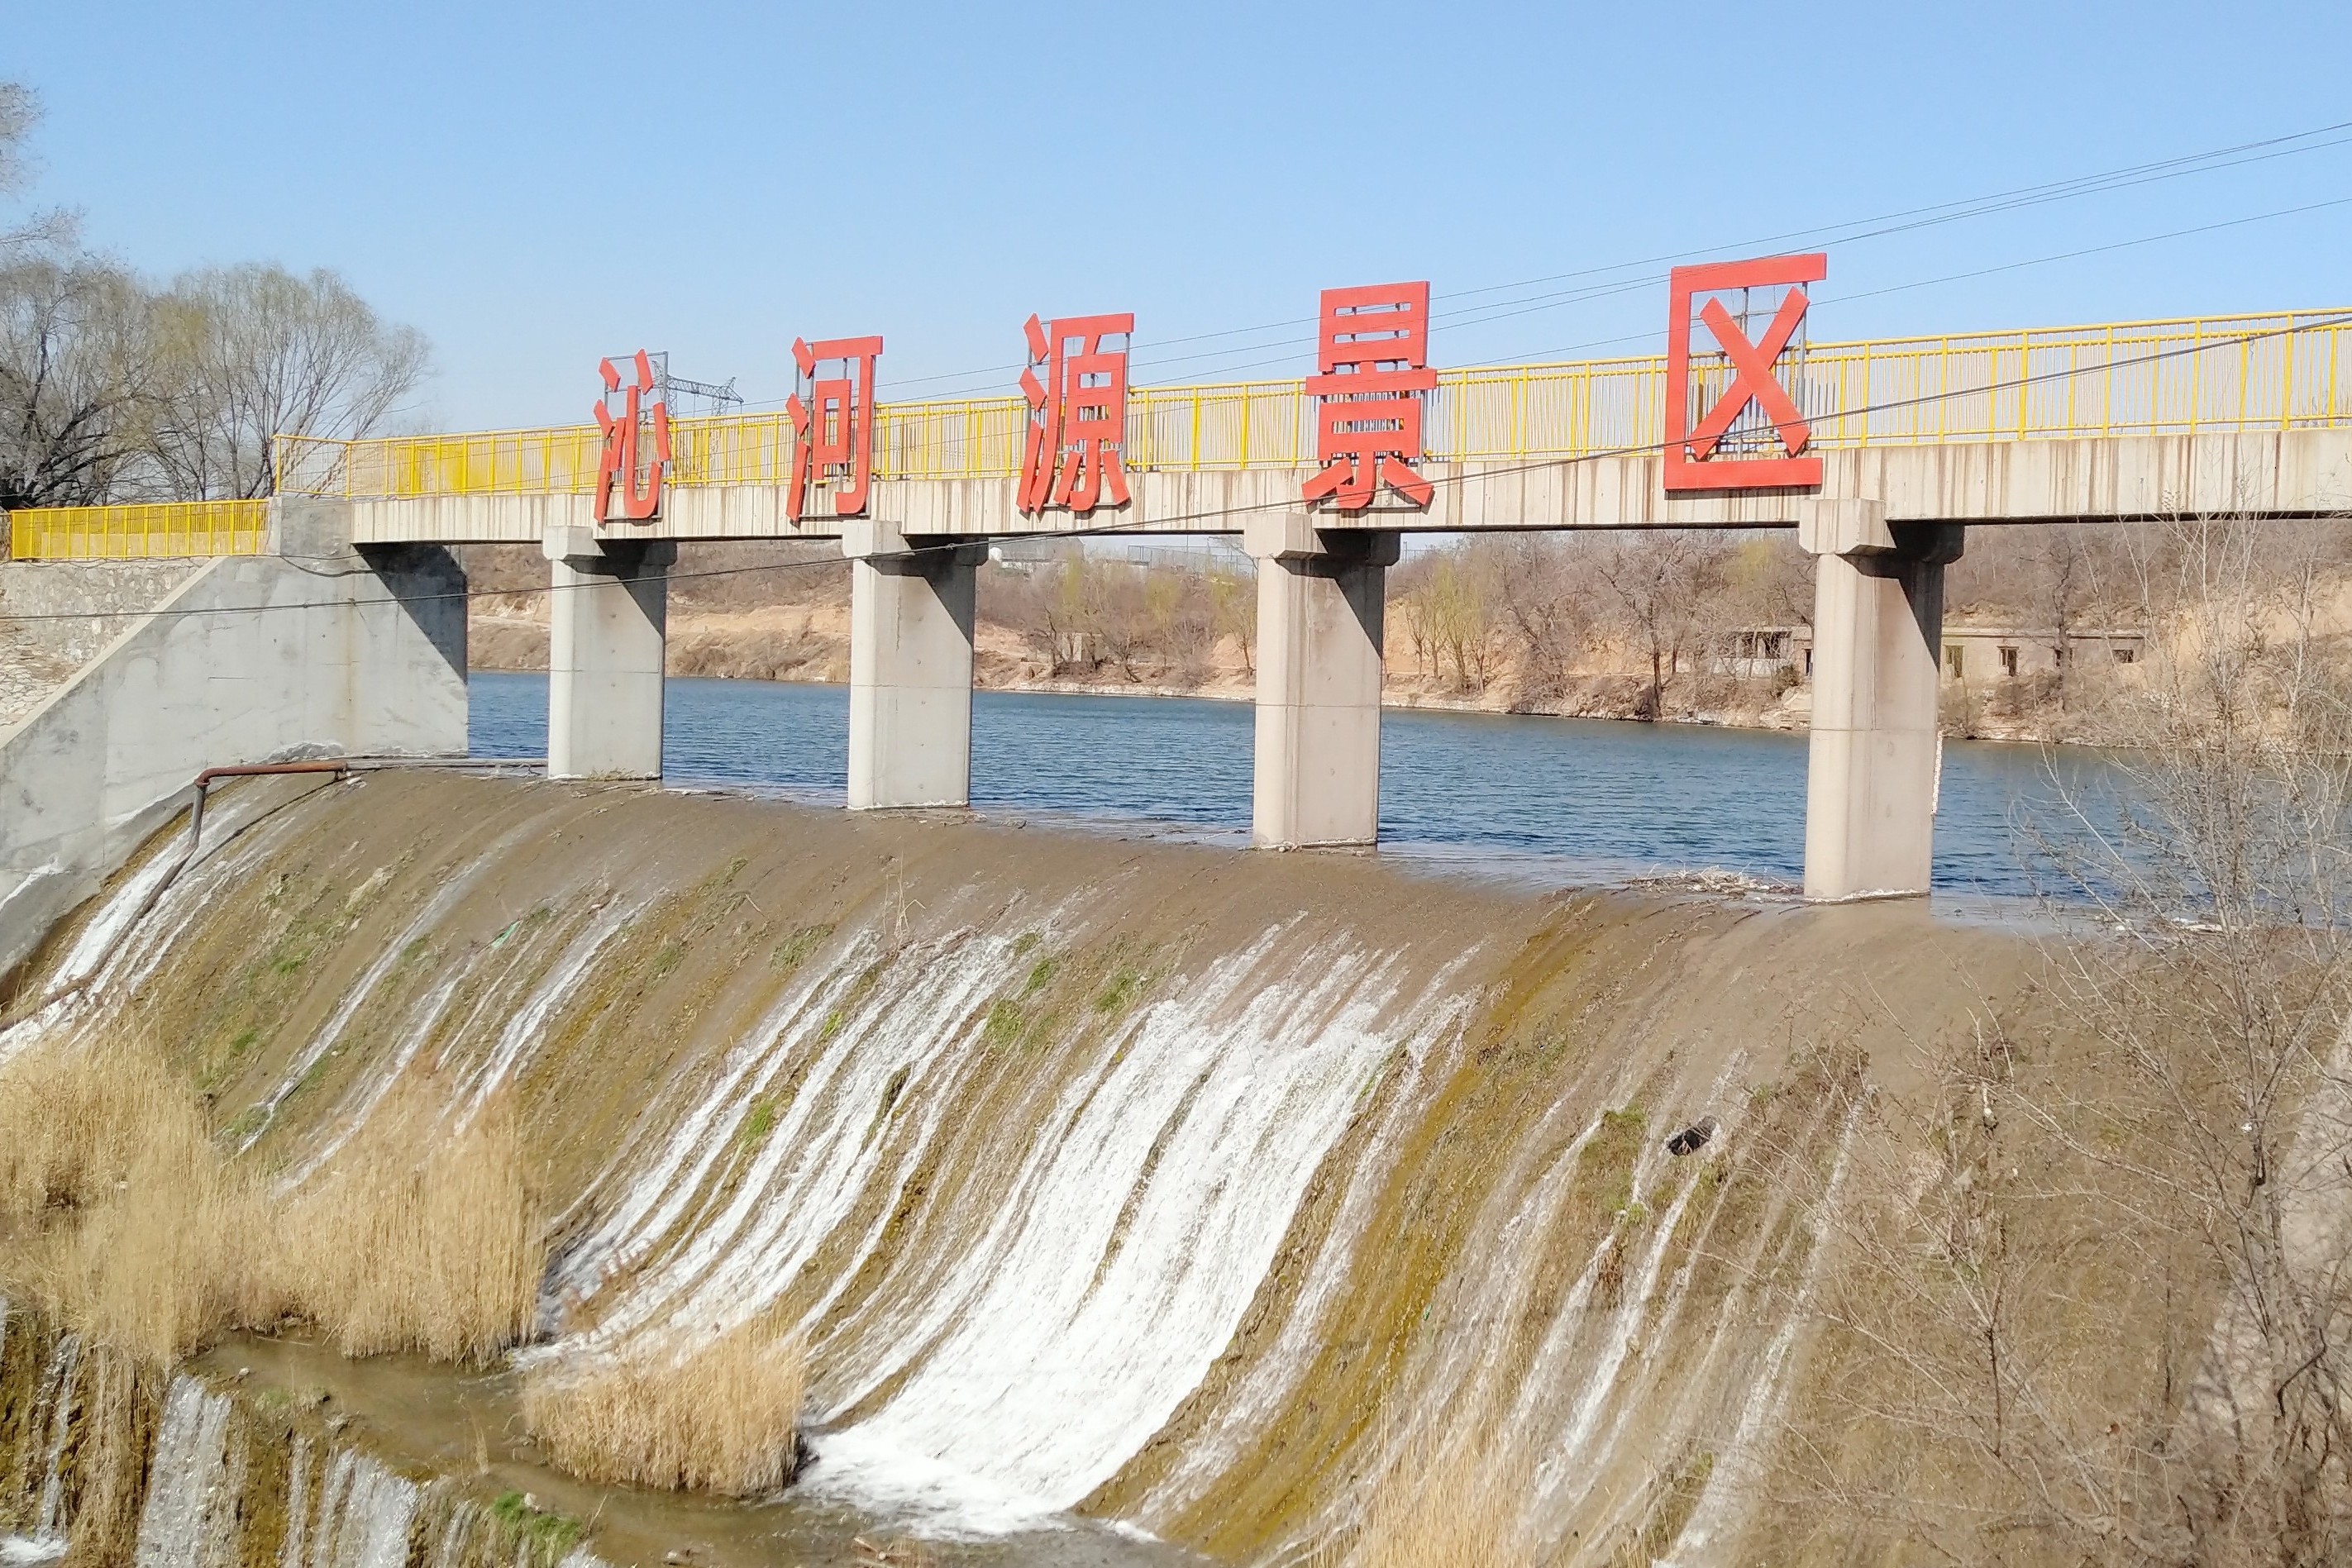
(1982, 653)
(1973, 653)
(1760, 652)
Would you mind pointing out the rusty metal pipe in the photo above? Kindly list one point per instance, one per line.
(338, 766)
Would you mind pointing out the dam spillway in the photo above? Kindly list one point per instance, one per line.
(1201, 1194)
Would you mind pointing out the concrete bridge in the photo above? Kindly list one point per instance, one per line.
(1909, 443)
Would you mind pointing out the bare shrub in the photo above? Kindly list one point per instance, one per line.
(1459, 1509)
(115, 1209)
(715, 1415)
(442, 1255)
(2096, 1276)
(121, 1215)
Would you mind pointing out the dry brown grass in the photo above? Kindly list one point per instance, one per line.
(719, 1417)
(442, 1256)
(120, 1214)
(1459, 1511)
(114, 1206)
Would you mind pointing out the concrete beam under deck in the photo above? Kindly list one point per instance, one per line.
(2306, 473)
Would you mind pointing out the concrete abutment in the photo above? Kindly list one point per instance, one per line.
(314, 647)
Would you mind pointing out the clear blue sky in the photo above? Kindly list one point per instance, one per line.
(534, 186)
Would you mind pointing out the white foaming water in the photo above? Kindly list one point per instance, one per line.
(294, 1551)
(454, 886)
(1134, 1241)
(57, 1395)
(48, 1542)
(190, 1517)
(1133, 1231)
(819, 1157)
(526, 1026)
(1767, 1395)
(111, 954)
(362, 1520)
(525, 1030)
(1271, 1376)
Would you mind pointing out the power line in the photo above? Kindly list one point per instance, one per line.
(1174, 524)
(1902, 221)
(953, 442)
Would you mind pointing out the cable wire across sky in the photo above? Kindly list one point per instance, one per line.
(1609, 281)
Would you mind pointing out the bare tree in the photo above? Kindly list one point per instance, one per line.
(1452, 604)
(79, 383)
(1232, 611)
(20, 110)
(1544, 605)
(2096, 1297)
(254, 353)
(1657, 581)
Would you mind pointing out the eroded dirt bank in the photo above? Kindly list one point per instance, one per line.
(1201, 1192)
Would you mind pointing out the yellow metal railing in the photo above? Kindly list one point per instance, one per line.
(138, 533)
(2285, 371)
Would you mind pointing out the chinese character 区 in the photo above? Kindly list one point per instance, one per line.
(617, 464)
(1373, 364)
(835, 425)
(1689, 446)
(1078, 414)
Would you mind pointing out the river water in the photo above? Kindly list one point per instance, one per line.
(1556, 800)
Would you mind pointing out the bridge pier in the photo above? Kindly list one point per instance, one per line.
(1873, 770)
(607, 630)
(1317, 775)
(910, 628)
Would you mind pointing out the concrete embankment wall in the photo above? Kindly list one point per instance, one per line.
(247, 660)
(55, 616)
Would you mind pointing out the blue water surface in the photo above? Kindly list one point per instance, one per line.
(1570, 799)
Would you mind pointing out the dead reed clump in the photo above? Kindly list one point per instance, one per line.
(121, 1215)
(1460, 1510)
(442, 1255)
(721, 1416)
(115, 1212)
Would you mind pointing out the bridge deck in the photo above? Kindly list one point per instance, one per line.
(2131, 419)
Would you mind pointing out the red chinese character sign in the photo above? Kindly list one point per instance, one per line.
(1372, 370)
(833, 427)
(619, 465)
(1077, 413)
(1692, 460)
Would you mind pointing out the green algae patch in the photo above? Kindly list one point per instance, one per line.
(1001, 1028)
(547, 1537)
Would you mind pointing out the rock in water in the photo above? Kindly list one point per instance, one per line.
(1693, 1138)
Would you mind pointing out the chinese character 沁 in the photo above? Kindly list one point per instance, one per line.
(834, 428)
(1372, 365)
(617, 463)
(1077, 413)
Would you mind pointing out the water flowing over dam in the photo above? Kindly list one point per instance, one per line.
(1200, 1194)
